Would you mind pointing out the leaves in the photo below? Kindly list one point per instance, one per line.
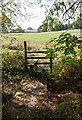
(67, 45)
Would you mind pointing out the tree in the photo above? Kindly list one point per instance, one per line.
(52, 25)
(30, 28)
(17, 30)
(56, 24)
(6, 23)
(43, 27)
(66, 10)
(13, 12)
(77, 24)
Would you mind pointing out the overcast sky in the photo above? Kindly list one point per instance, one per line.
(36, 20)
(38, 16)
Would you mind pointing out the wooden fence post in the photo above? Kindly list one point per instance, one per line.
(25, 50)
(51, 62)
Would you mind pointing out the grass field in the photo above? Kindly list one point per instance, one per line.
(42, 36)
(35, 40)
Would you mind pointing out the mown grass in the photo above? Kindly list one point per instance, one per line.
(34, 40)
(41, 36)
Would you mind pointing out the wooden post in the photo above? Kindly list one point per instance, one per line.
(25, 50)
(31, 69)
(51, 63)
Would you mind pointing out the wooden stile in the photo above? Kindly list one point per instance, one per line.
(36, 57)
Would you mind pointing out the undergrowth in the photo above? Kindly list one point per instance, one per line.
(64, 83)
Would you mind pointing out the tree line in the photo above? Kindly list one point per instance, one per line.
(50, 24)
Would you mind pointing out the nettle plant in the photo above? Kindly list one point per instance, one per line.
(66, 47)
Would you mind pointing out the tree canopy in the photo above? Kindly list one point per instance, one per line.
(63, 12)
(13, 11)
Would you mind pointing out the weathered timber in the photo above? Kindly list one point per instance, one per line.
(36, 57)
(25, 50)
(35, 51)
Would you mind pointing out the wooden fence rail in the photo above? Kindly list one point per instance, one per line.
(36, 57)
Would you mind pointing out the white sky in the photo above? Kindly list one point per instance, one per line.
(39, 14)
(35, 22)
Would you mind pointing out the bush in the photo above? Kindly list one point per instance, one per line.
(13, 65)
(69, 108)
(65, 47)
(66, 52)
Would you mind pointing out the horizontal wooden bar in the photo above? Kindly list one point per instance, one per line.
(36, 57)
(35, 51)
(40, 63)
(43, 62)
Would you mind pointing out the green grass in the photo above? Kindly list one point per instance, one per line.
(41, 36)
(35, 40)
(35, 36)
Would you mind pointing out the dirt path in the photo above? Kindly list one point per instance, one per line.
(31, 93)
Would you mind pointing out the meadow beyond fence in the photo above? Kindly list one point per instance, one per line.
(34, 63)
(36, 41)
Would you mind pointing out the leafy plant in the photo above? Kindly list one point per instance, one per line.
(69, 108)
(66, 47)
(13, 65)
